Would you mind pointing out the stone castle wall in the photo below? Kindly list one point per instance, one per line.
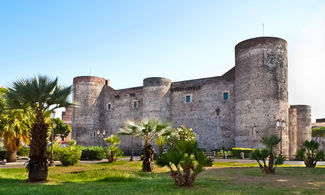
(257, 90)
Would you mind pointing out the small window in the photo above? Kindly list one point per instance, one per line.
(225, 95)
(109, 106)
(188, 99)
(135, 104)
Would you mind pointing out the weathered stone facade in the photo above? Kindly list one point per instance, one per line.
(232, 110)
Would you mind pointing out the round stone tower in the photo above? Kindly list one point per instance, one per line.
(85, 117)
(156, 97)
(303, 123)
(261, 90)
(292, 133)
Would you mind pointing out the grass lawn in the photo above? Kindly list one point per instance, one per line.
(125, 177)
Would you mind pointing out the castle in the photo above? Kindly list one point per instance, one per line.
(232, 110)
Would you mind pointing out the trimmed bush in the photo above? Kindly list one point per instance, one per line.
(2, 154)
(236, 152)
(93, 153)
(23, 151)
(56, 150)
(69, 156)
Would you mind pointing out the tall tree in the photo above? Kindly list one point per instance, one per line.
(14, 129)
(60, 128)
(42, 94)
(131, 129)
(148, 130)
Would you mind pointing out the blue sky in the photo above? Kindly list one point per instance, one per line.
(126, 41)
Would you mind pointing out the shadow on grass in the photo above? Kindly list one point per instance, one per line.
(117, 179)
(12, 181)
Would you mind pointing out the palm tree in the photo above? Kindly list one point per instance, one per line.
(14, 129)
(148, 130)
(262, 154)
(270, 142)
(131, 129)
(42, 94)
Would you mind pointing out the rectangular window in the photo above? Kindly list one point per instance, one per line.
(108, 106)
(188, 99)
(225, 96)
(135, 104)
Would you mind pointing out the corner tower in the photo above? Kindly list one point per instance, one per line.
(261, 90)
(156, 97)
(303, 123)
(85, 117)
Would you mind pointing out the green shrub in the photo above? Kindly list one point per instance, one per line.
(56, 148)
(223, 153)
(92, 153)
(2, 154)
(311, 153)
(23, 151)
(300, 154)
(235, 152)
(185, 161)
(267, 155)
(69, 156)
(112, 150)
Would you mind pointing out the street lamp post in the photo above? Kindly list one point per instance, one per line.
(101, 135)
(281, 124)
(52, 138)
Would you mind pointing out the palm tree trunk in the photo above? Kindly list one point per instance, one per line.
(11, 155)
(148, 158)
(131, 158)
(37, 165)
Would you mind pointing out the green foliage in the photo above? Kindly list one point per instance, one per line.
(318, 132)
(181, 133)
(69, 156)
(300, 154)
(56, 151)
(263, 154)
(60, 128)
(42, 95)
(235, 152)
(270, 142)
(93, 153)
(279, 159)
(113, 139)
(72, 142)
(112, 150)
(160, 141)
(147, 130)
(185, 162)
(310, 153)
(23, 151)
(14, 129)
(223, 153)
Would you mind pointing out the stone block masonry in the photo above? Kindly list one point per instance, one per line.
(232, 110)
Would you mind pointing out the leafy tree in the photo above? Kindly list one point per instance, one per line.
(14, 129)
(160, 141)
(43, 95)
(148, 130)
(180, 133)
(261, 155)
(185, 162)
(310, 153)
(113, 150)
(318, 132)
(131, 129)
(60, 128)
(2, 100)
